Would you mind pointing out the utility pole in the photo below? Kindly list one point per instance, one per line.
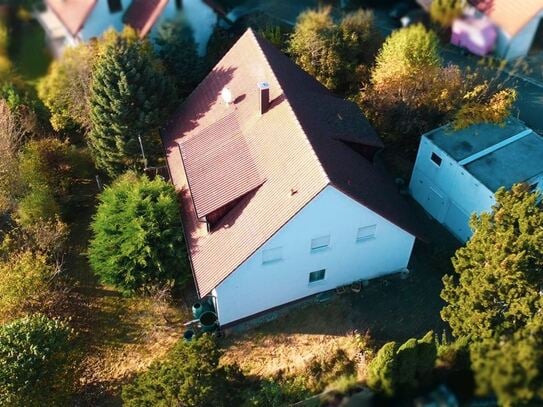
(143, 153)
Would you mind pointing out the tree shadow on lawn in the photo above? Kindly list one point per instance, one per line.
(389, 308)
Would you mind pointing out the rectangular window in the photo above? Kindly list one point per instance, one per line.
(272, 255)
(366, 233)
(320, 243)
(436, 159)
(115, 6)
(315, 276)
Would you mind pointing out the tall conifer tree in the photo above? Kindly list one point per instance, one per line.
(129, 98)
(495, 298)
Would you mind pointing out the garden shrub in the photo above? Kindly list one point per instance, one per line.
(34, 362)
(38, 205)
(402, 370)
(25, 282)
(138, 242)
(190, 376)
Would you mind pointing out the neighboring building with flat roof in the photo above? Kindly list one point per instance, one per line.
(457, 172)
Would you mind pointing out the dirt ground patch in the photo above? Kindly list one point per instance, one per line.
(389, 309)
(117, 336)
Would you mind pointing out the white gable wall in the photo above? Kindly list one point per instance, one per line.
(256, 287)
(448, 192)
(519, 45)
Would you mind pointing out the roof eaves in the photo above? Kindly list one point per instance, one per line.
(266, 241)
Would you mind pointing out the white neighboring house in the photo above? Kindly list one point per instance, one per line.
(457, 172)
(69, 22)
(279, 195)
(518, 23)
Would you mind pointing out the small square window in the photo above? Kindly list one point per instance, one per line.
(115, 6)
(320, 243)
(315, 276)
(436, 159)
(272, 255)
(366, 233)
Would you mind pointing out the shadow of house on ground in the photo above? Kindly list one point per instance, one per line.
(389, 308)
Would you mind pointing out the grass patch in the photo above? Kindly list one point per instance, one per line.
(28, 51)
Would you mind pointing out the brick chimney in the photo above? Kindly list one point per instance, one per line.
(264, 91)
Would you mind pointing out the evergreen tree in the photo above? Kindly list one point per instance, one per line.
(129, 98)
(190, 376)
(177, 50)
(494, 299)
(137, 239)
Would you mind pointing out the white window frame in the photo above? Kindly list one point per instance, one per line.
(320, 243)
(272, 255)
(361, 237)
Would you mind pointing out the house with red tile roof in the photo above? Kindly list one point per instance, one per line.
(68, 22)
(280, 198)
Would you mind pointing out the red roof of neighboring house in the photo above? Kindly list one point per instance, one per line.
(297, 146)
(72, 13)
(510, 15)
(143, 14)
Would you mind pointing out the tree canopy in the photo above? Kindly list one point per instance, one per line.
(191, 376)
(494, 297)
(337, 55)
(33, 361)
(406, 52)
(129, 98)
(177, 50)
(138, 241)
(66, 88)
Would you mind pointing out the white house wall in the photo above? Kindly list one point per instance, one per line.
(448, 192)
(519, 45)
(255, 287)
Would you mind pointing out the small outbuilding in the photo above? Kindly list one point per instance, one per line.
(457, 172)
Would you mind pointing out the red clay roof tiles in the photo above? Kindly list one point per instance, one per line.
(143, 14)
(295, 145)
(219, 165)
(72, 13)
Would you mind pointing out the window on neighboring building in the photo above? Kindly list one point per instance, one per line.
(272, 255)
(436, 159)
(315, 276)
(320, 243)
(366, 233)
(115, 6)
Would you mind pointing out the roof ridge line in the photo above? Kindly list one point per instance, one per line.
(323, 171)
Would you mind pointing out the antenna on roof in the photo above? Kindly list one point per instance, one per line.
(226, 95)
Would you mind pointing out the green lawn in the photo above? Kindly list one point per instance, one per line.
(29, 52)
